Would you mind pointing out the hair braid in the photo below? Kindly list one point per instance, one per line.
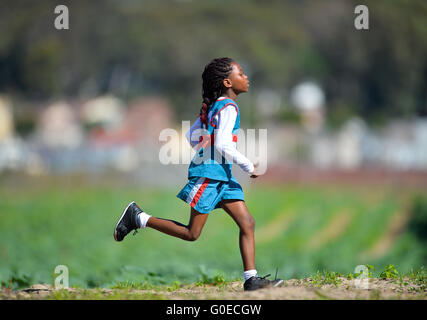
(213, 75)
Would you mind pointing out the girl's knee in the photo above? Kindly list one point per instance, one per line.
(252, 223)
(192, 235)
(248, 225)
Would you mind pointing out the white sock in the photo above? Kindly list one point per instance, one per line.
(249, 273)
(143, 218)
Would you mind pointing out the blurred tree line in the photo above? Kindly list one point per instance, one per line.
(139, 47)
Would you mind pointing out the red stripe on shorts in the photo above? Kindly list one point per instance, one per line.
(199, 193)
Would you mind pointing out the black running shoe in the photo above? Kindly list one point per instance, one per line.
(255, 283)
(128, 221)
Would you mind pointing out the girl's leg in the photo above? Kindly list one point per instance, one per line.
(239, 212)
(188, 232)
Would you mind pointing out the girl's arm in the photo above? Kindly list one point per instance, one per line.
(193, 137)
(224, 139)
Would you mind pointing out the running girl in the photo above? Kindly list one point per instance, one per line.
(211, 184)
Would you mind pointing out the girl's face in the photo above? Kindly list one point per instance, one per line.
(237, 80)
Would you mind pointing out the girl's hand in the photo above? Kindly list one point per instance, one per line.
(255, 173)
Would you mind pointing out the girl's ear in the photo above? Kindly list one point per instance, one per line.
(227, 83)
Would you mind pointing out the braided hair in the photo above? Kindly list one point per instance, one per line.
(213, 75)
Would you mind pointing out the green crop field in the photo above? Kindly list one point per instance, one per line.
(299, 230)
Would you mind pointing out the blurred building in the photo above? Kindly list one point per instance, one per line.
(59, 126)
(13, 150)
(405, 145)
(342, 149)
(104, 111)
(104, 134)
(309, 99)
(124, 136)
(6, 119)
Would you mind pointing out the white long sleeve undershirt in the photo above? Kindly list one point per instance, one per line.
(224, 138)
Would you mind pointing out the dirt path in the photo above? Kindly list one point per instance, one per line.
(295, 289)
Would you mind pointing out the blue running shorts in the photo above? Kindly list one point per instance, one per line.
(205, 195)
